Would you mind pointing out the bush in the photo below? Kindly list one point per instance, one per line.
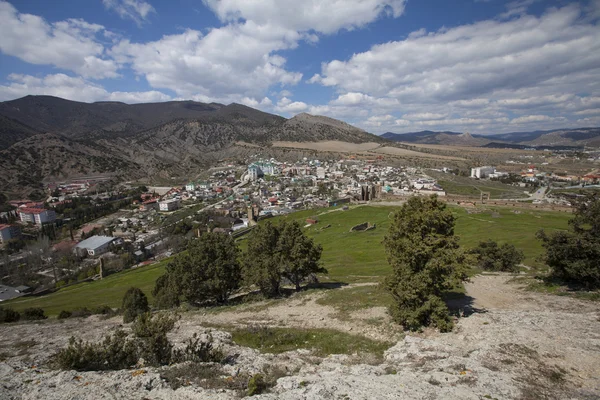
(9, 315)
(491, 257)
(103, 310)
(33, 314)
(81, 312)
(135, 303)
(64, 314)
(114, 352)
(120, 351)
(198, 351)
(257, 385)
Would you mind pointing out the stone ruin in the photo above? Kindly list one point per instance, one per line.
(365, 226)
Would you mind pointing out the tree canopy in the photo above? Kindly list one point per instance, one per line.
(426, 260)
(574, 255)
(209, 270)
(280, 251)
(492, 257)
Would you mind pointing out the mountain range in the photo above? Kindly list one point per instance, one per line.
(44, 138)
(579, 137)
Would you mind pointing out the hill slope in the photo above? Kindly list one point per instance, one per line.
(49, 138)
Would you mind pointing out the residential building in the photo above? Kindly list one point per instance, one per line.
(169, 205)
(37, 216)
(8, 232)
(190, 187)
(482, 172)
(95, 245)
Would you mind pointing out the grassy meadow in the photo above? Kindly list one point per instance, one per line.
(348, 256)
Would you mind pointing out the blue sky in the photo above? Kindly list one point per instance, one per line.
(482, 66)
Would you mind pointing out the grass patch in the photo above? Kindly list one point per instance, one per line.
(108, 291)
(345, 301)
(323, 342)
(348, 256)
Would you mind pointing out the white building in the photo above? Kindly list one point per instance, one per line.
(37, 216)
(190, 187)
(95, 245)
(169, 205)
(320, 173)
(482, 172)
(8, 232)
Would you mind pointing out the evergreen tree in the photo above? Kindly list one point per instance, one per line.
(208, 271)
(135, 303)
(574, 255)
(426, 261)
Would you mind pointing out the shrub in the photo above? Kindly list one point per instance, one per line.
(64, 314)
(103, 310)
(166, 292)
(114, 352)
(154, 346)
(135, 303)
(33, 314)
(81, 312)
(257, 385)
(491, 257)
(9, 315)
(198, 351)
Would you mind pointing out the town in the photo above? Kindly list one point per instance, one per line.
(79, 234)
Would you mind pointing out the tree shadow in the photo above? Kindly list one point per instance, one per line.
(461, 305)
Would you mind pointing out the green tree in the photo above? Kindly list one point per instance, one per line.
(299, 254)
(426, 260)
(280, 251)
(208, 271)
(135, 303)
(492, 257)
(261, 261)
(574, 255)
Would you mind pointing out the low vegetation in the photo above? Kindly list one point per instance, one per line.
(491, 257)
(323, 342)
(119, 350)
(135, 303)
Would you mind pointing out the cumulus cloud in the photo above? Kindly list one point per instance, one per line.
(534, 118)
(73, 88)
(287, 106)
(308, 15)
(70, 44)
(136, 10)
(478, 75)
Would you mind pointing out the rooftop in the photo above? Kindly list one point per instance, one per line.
(94, 242)
(32, 210)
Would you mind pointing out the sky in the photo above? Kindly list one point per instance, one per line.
(478, 66)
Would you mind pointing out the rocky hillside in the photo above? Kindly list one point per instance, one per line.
(44, 138)
(507, 344)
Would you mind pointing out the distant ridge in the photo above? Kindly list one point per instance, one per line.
(46, 137)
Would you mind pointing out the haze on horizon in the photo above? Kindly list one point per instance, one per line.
(482, 66)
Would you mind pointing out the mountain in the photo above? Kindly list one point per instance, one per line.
(432, 137)
(558, 138)
(45, 138)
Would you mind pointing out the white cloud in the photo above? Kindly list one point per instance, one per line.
(73, 88)
(136, 10)
(308, 15)
(471, 60)
(533, 118)
(287, 106)
(70, 44)
(424, 116)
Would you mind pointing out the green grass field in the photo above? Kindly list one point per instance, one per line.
(348, 256)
